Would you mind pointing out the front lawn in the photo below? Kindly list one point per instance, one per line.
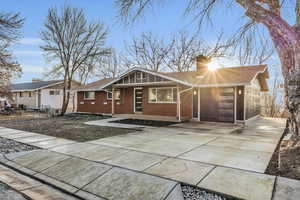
(70, 126)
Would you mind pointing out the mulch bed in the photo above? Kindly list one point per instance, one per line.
(290, 162)
(70, 126)
(144, 122)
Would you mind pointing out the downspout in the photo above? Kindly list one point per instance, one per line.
(113, 102)
(178, 100)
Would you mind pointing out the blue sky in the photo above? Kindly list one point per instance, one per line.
(165, 20)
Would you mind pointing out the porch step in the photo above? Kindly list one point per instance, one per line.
(91, 180)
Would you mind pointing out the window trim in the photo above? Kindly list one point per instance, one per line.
(84, 97)
(108, 92)
(162, 102)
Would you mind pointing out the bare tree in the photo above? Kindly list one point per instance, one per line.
(71, 42)
(9, 32)
(273, 101)
(148, 51)
(264, 14)
(185, 47)
(183, 52)
(110, 66)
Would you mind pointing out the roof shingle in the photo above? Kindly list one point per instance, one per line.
(33, 85)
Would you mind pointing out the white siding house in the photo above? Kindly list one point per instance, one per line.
(41, 95)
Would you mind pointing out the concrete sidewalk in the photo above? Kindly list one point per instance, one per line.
(81, 178)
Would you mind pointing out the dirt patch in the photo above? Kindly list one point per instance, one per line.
(144, 122)
(290, 162)
(70, 126)
(21, 114)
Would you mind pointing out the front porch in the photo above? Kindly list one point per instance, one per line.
(150, 117)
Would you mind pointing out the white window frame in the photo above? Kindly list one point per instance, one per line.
(84, 97)
(107, 93)
(164, 102)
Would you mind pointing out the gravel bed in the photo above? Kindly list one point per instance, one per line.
(7, 193)
(11, 146)
(194, 193)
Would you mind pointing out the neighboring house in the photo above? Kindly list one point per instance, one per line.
(223, 95)
(41, 94)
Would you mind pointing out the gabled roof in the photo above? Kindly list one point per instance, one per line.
(97, 85)
(30, 86)
(223, 77)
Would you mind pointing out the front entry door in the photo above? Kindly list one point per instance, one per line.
(138, 100)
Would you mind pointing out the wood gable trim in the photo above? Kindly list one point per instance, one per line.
(164, 78)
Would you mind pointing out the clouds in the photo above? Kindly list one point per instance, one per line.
(30, 41)
(33, 69)
(28, 53)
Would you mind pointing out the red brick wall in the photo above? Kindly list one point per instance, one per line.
(165, 109)
(98, 107)
(125, 105)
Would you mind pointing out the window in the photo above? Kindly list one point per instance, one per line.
(89, 95)
(152, 95)
(54, 92)
(29, 94)
(117, 95)
(162, 95)
(21, 94)
(109, 94)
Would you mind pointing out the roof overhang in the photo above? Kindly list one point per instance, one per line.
(31, 90)
(264, 74)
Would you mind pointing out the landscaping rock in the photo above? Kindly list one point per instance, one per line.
(194, 193)
(11, 146)
(8, 193)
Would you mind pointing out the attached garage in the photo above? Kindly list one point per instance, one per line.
(217, 104)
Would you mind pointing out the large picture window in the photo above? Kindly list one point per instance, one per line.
(162, 95)
(89, 95)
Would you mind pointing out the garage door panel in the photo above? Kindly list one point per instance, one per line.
(217, 104)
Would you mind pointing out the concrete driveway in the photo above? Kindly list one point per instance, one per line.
(250, 149)
(216, 159)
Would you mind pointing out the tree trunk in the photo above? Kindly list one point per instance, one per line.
(292, 92)
(66, 96)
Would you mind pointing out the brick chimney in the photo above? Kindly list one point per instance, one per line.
(201, 62)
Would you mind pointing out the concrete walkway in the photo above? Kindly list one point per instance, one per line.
(110, 123)
(83, 179)
(224, 162)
